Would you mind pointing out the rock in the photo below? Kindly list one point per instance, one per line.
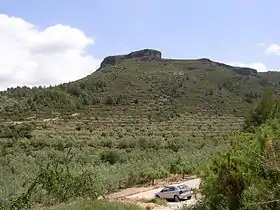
(205, 60)
(245, 71)
(143, 55)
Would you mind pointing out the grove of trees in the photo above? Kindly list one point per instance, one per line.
(247, 174)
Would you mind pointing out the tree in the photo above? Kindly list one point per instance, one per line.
(110, 156)
(267, 108)
(23, 130)
(247, 174)
(180, 166)
(151, 173)
(109, 100)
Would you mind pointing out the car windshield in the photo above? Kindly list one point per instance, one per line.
(183, 187)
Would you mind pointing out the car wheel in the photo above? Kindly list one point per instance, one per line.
(176, 198)
(157, 196)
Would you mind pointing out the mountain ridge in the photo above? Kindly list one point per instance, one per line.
(145, 84)
(156, 55)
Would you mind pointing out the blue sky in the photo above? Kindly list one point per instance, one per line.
(223, 30)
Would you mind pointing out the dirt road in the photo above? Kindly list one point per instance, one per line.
(148, 195)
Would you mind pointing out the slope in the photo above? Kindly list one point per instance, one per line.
(155, 88)
(125, 124)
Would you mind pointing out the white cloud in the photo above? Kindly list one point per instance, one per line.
(273, 49)
(29, 56)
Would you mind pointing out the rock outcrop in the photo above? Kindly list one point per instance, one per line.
(143, 55)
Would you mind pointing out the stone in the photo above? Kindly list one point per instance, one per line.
(143, 55)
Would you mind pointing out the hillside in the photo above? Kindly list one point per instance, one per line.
(127, 123)
(145, 86)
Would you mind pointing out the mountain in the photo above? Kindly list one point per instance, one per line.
(143, 83)
(125, 124)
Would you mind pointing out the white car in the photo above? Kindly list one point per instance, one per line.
(177, 192)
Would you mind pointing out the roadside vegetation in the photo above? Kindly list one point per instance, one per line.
(246, 175)
(87, 204)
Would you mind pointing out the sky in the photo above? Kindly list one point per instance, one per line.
(50, 42)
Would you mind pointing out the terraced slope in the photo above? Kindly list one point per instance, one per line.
(125, 123)
(195, 129)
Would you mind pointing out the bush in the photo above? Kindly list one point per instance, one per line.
(22, 130)
(96, 205)
(267, 108)
(161, 202)
(151, 143)
(242, 176)
(176, 143)
(181, 166)
(127, 143)
(110, 156)
(59, 184)
(149, 174)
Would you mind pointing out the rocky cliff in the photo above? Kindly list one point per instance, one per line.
(144, 55)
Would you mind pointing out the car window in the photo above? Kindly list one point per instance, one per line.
(182, 187)
(172, 188)
(165, 189)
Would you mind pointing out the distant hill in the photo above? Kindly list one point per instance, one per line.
(126, 124)
(143, 83)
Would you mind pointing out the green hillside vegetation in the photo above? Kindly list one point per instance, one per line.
(124, 125)
(82, 204)
(246, 175)
(155, 90)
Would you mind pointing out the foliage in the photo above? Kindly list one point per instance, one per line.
(127, 125)
(161, 202)
(23, 130)
(168, 89)
(181, 166)
(119, 141)
(246, 175)
(110, 156)
(116, 140)
(152, 173)
(93, 205)
(268, 107)
(59, 184)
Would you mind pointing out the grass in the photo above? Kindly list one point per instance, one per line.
(91, 205)
(161, 202)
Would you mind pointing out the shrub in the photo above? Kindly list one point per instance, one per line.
(110, 156)
(161, 202)
(22, 130)
(96, 205)
(127, 143)
(181, 166)
(267, 108)
(59, 183)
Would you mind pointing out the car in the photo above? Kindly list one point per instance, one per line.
(177, 192)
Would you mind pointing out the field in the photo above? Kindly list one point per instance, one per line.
(121, 152)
